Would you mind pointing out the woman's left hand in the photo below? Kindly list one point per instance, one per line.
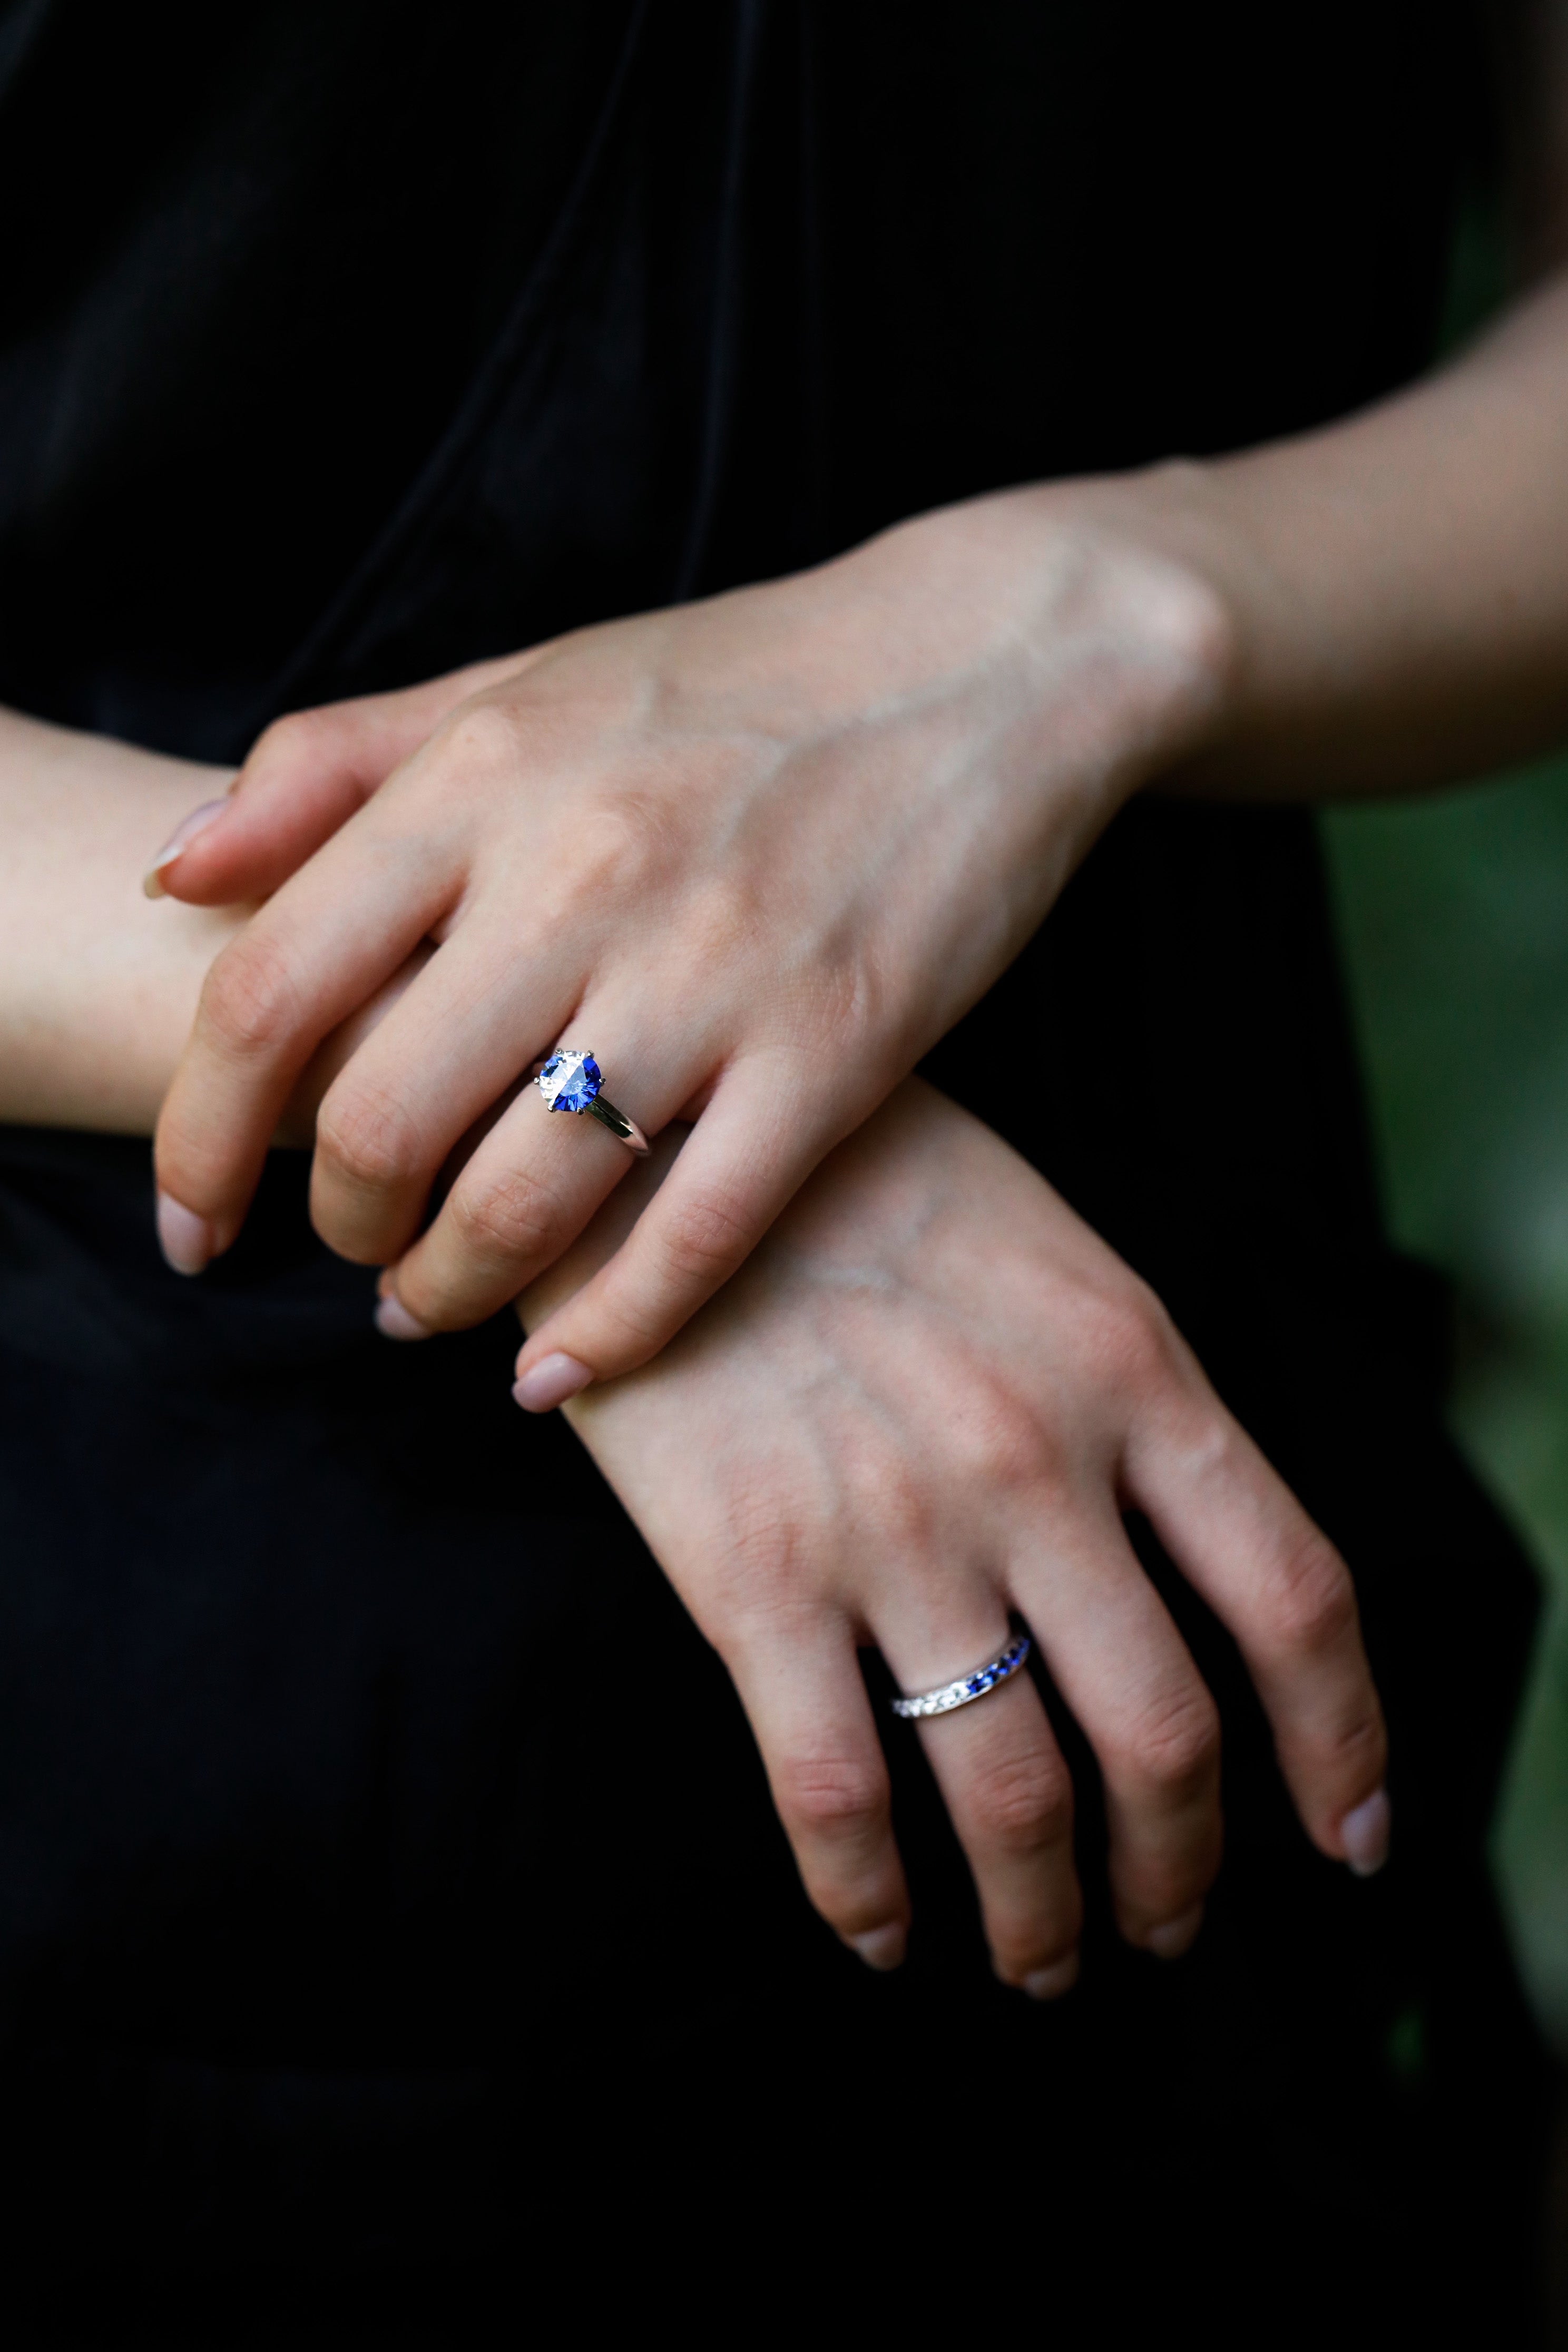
(925, 1405)
(756, 854)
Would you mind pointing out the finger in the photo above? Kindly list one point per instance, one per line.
(802, 1692)
(1242, 1539)
(748, 1154)
(530, 1187)
(311, 957)
(605, 1232)
(481, 1012)
(1009, 1794)
(297, 1130)
(522, 1197)
(1128, 1678)
(304, 777)
(1006, 1789)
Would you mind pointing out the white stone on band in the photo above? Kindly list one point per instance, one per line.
(968, 1687)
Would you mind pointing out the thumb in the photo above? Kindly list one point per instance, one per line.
(304, 778)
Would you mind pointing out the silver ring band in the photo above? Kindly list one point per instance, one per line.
(626, 1129)
(570, 1080)
(968, 1687)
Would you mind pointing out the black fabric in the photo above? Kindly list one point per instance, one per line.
(348, 1957)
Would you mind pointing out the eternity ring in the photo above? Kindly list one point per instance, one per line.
(571, 1081)
(968, 1687)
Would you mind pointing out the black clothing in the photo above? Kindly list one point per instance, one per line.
(340, 343)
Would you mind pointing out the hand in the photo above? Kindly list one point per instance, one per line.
(925, 1404)
(757, 853)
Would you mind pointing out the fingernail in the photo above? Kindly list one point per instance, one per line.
(186, 1240)
(1173, 1937)
(1049, 1984)
(394, 1321)
(881, 1947)
(549, 1382)
(1365, 1831)
(178, 841)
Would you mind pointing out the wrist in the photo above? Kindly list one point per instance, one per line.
(1075, 645)
(1150, 589)
(1183, 588)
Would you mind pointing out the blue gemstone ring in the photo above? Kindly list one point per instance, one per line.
(571, 1081)
(968, 1687)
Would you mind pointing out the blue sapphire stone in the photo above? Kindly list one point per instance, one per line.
(569, 1081)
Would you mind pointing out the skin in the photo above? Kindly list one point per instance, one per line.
(805, 825)
(759, 853)
(924, 1404)
(840, 1449)
(97, 990)
(94, 1003)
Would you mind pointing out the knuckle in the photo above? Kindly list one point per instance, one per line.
(250, 1004)
(1354, 1749)
(832, 1796)
(622, 848)
(297, 740)
(997, 1441)
(1210, 1447)
(883, 1498)
(1022, 1803)
(875, 1492)
(765, 1545)
(845, 996)
(704, 1237)
(509, 1216)
(765, 1587)
(368, 1140)
(482, 734)
(1312, 1605)
(1174, 1747)
(1135, 1342)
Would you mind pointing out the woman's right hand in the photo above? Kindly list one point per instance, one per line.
(922, 1407)
(757, 852)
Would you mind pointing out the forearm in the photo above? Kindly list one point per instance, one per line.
(98, 989)
(1396, 586)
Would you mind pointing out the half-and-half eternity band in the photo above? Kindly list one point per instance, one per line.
(968, 1687)
(573, 1081)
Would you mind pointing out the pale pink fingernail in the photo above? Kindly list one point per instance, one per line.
(881, 1947)
(186, 1240)
(1365, 1831)
(179, 841)
(1049, 1984)
(1173, 1937)
(549, 1382)
(394, 1321)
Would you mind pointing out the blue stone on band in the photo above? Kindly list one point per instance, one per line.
(968, 1687)
(573, 1081)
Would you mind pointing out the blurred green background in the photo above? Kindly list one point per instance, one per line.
(1454, 915)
